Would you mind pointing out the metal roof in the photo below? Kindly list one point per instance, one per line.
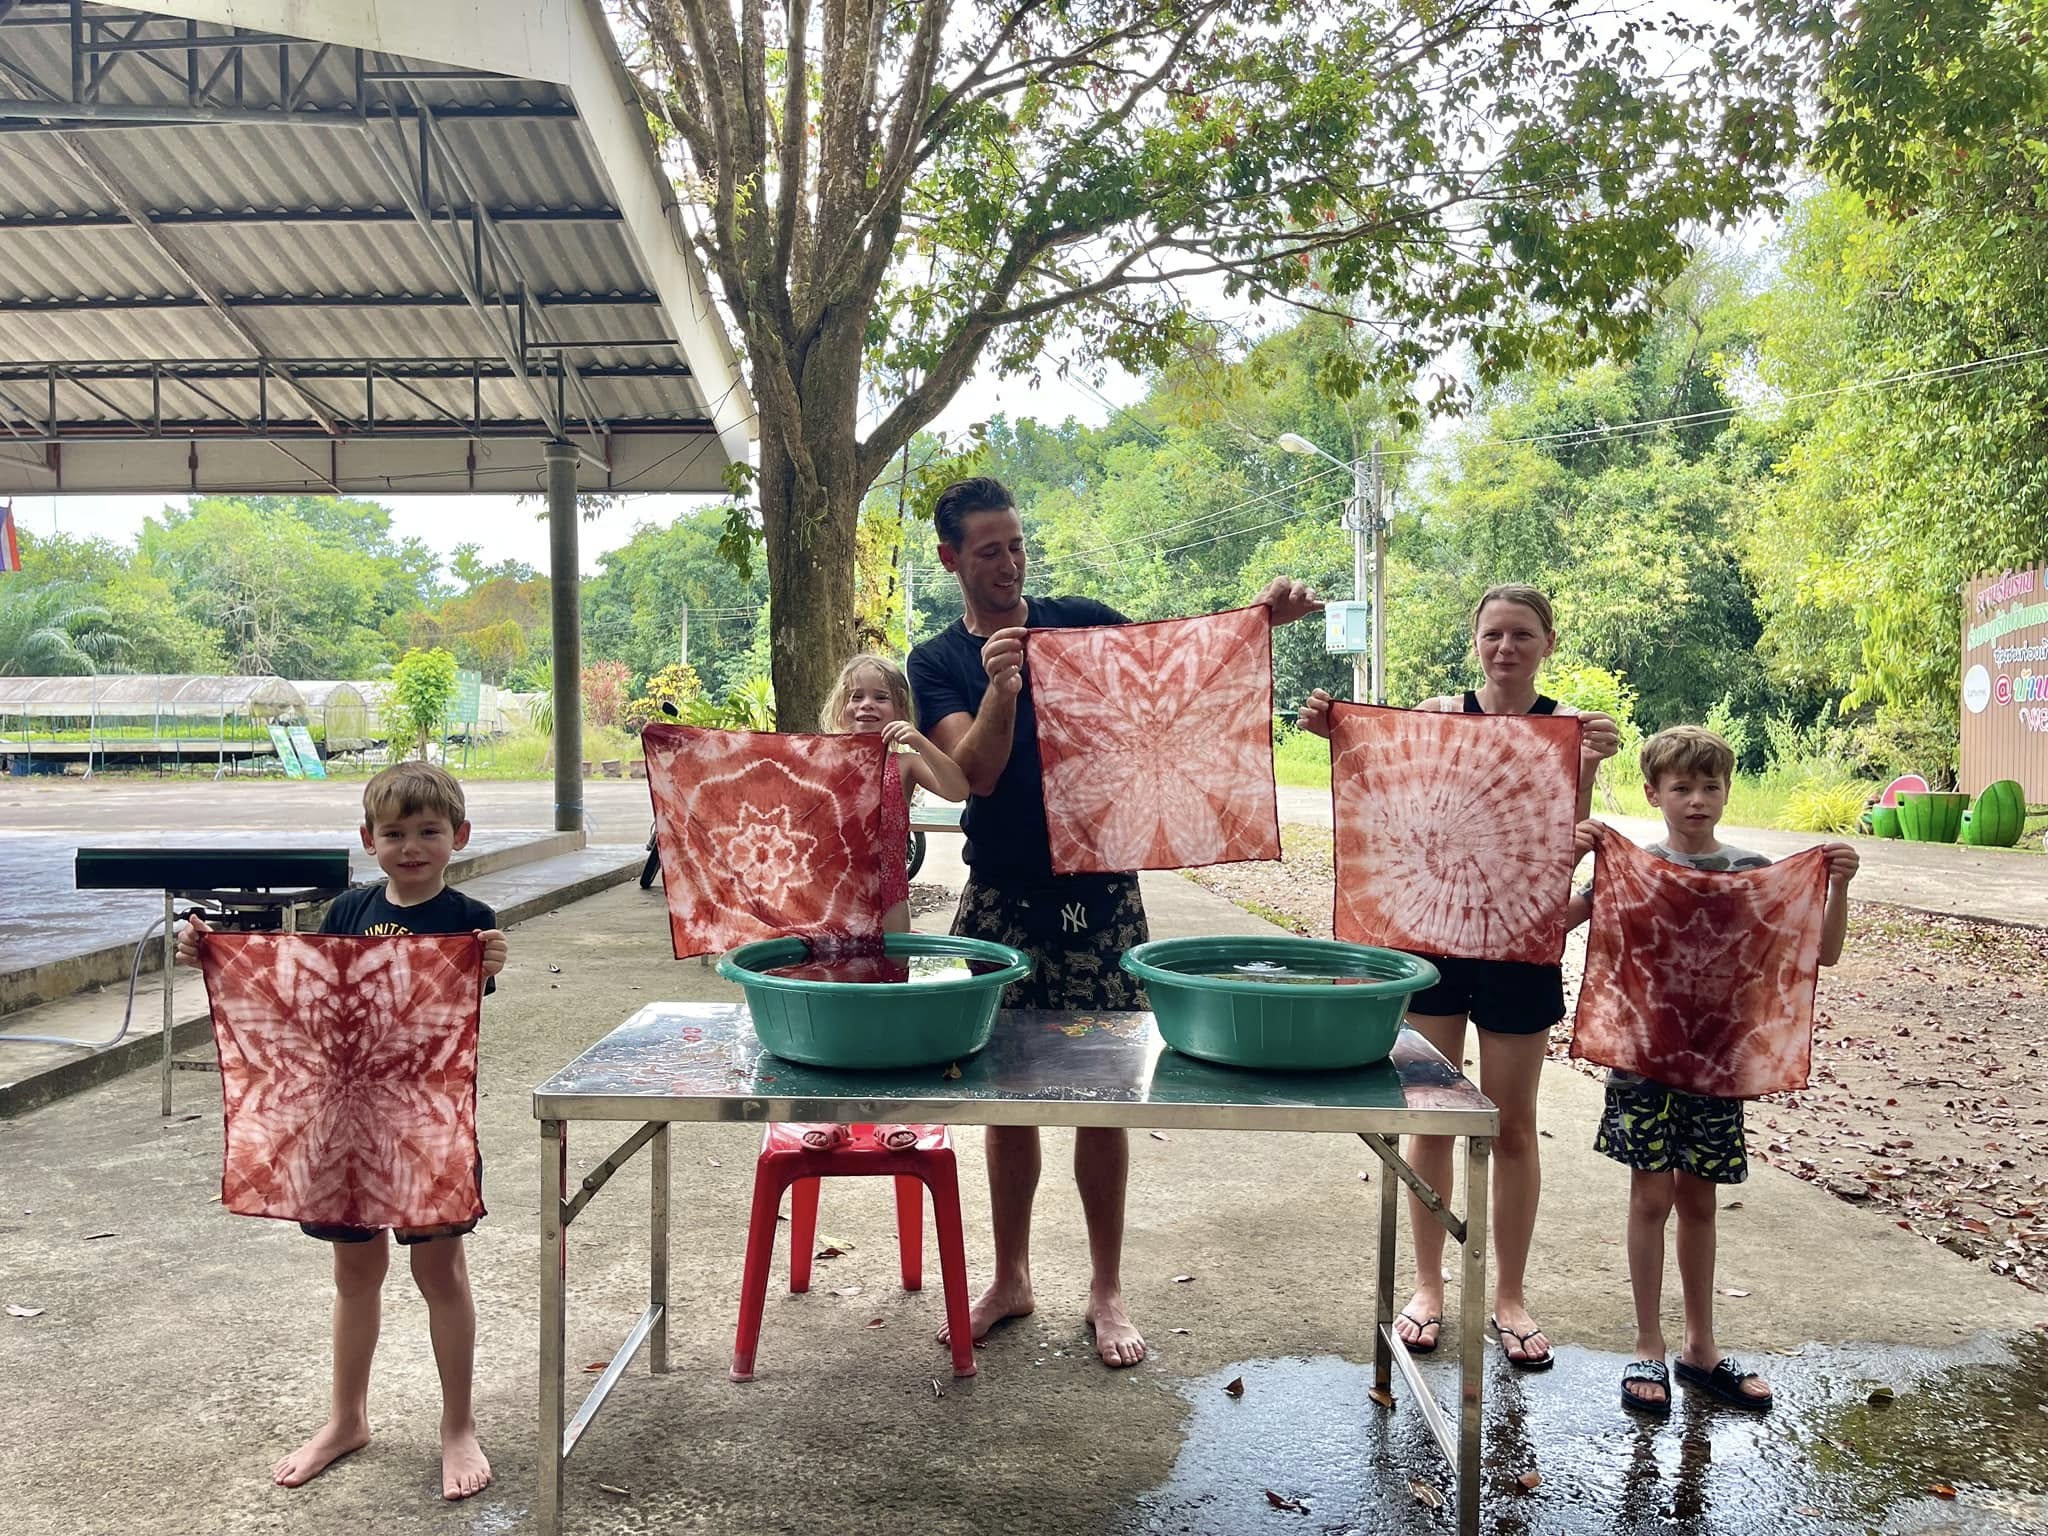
(132, 694)
(343, 245)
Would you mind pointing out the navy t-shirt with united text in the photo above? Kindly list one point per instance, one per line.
(368, 911)
(1006, 837)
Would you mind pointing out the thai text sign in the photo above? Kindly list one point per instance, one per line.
(2005, 681)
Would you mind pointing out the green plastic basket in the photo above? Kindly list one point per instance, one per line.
(879, 1025)
(1265, 1023)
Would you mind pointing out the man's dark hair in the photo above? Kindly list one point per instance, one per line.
(962, 499)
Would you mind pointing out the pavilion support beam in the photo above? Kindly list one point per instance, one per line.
(565, 589)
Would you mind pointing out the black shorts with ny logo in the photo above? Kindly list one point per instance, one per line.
(1075, 928)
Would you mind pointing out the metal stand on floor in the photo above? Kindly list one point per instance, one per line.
(259, 891)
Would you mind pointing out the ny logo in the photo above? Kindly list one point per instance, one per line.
(1074, 918)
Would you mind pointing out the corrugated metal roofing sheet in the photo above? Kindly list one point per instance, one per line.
(92, 295)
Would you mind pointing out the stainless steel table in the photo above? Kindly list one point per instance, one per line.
(700, 1062)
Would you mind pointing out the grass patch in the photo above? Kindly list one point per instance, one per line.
(1300, 760)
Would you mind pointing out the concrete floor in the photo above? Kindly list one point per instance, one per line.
(180, 1350)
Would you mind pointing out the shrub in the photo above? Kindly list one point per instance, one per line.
(604, 691)
(422, 689)
(1825, 805)
(1591, 689)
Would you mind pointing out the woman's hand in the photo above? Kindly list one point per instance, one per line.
(1843, 862)
(1599, 738)
(1314, 715)
(1002, 657)
(188, 939)
(494, 950)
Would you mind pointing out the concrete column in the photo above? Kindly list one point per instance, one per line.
(565, 587)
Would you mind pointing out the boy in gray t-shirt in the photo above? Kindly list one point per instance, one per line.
(1683, 1146)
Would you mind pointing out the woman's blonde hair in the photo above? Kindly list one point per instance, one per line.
(892, 678)
(1523, 597)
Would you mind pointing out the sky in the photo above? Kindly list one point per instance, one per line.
(506, 528)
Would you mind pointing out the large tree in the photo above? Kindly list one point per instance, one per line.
(890, 194)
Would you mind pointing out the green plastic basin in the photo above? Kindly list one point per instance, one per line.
(1884, 820)
(874, 1024)
(1208, 1007)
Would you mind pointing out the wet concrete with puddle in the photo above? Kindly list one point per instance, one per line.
(1828, 1459)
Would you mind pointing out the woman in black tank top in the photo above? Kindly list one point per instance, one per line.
(1513, 1004)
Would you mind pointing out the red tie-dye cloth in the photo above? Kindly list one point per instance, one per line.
(348, 1070)
(763, 835)
(1454, 831)
(1156, 742)
(1702, 980)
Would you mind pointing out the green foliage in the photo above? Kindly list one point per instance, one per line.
(1826, 805)
(748, 707)
(665, 576)
(1591, 689)
(1732, 728)
(54, 630)
(1301, 759)
(676, 685)
(422, 689)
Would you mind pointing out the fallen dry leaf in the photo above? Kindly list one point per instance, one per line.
(596, 1366)
(1733, 1291)
(1292, 1506)
(1161, 1136)
(952, 1072)
(98, 1235)
(1183, 1279)
(614, 1490)
(847, 1290)
(1941, 1490)
(1426, 1494)
(18, 1311)
(1531, 1480)
(1881, 1395)
(876, 1322)
(1235, 1386)
(1180, 1330)
(937, 1390)
(714, 1162)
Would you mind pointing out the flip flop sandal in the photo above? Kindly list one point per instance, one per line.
(1651, 1373)
(1525, 1363)
(895, 1138)
(826, 1138)
(1421, 1324)
(1724, 1383)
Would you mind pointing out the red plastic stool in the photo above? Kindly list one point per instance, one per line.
(785, 1162)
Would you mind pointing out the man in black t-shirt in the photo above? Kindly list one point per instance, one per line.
(974, 702)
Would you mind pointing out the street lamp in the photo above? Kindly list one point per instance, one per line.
(1358, 521)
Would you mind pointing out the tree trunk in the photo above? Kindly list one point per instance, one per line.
(811, 530)
(810, 581)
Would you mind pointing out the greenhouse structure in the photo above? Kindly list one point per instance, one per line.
(344, 717)
(49, 724)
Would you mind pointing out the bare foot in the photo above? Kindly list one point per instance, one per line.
(998, 1304)
(1421, 1322)
(329, 1444)
(1117, 1339)
(463, 1468)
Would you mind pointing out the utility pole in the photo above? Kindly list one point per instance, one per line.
(683, 650)
(1379, 575)
(1354, 519)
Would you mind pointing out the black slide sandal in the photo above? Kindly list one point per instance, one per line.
(1651, 1373)
(1724, 1383)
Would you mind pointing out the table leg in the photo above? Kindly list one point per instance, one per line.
(170, 970)
(1471, 1329)
(1390, 1219)
(554, 1186)
(657, 1254)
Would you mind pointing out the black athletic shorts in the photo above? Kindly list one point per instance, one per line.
(1509, 997)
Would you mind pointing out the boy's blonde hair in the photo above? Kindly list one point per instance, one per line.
(1524, 597)
(413, 789)
(892, 679)
(1692, 750)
